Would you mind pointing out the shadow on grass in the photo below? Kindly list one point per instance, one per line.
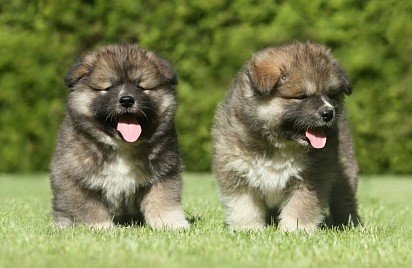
(193, 219)
(327, 224)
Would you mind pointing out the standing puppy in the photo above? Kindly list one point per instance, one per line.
(117, 157)
(281, 141)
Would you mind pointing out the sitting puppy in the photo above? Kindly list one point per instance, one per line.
(117, 158)
(282, 144)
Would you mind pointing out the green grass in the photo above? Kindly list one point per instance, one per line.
(29, 240)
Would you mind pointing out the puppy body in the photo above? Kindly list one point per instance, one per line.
(265, 136)
(118, 93)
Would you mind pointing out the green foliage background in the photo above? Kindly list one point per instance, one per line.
(207, 41)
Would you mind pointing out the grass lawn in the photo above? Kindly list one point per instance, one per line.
(29, 240)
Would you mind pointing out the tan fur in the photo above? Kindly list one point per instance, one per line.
(261, 158)
(163, 214)
(97, 177)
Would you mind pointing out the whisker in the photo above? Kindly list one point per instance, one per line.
(148, 108)
(144, 114)
(109, 116)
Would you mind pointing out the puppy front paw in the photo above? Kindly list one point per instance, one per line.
(174, 219)
(62, 222)
(101, 225)
(246, 226)
(293, 225)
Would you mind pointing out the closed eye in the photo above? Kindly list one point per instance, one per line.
(137, 84)
(99, 88)
(301, 97)
(333, 94)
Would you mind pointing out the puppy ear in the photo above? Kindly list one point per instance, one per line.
(79, 70)
(76, 72)
(347, 86)
(165, 68)
(348, 89)
(263, 73)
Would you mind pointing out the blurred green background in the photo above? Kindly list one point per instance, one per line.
(207, 42)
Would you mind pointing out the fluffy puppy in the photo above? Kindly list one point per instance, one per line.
(117, 158)
(282, 147)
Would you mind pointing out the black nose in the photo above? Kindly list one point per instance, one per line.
(327, 115)
(126, 101)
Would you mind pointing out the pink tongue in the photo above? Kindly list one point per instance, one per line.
(129, 128)
(316, 138)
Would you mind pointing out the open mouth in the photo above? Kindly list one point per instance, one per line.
(128, 127)
(315, 137)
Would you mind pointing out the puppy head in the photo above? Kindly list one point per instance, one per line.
(298, 90)
(121, 91)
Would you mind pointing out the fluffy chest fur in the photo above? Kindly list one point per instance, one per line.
(119, 180)
(269, 173)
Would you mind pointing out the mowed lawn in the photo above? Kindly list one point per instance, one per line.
(29, 240)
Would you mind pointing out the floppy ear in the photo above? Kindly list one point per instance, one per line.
(263, 73)
(165, 68)
(347, 85)
(79, 70)
(76, 72)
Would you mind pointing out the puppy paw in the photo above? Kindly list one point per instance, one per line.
(62, 222)
(101, 225)
(182, 224)
(293, 225)
(169, 224)
(247, 227)
(171, 220)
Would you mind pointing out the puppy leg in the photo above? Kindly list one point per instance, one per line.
(342, 204)
(80, 206)
(302, 210)
(161, 205)
(245, 210)
(61, 220)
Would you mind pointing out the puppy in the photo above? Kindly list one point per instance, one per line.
(281, 141)
(117, 158)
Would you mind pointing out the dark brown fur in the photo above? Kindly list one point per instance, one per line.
(261, 158)
(97, 178)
